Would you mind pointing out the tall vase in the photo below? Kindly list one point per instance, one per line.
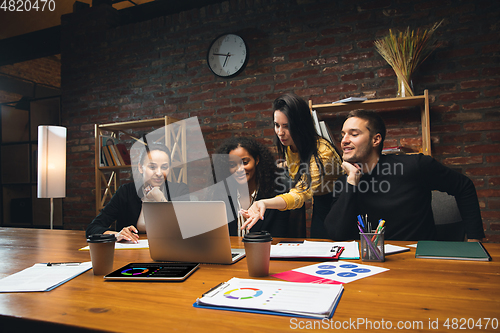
(405, 86)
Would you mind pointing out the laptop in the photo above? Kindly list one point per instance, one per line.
(166, 242)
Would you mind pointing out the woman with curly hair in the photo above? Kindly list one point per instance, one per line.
(312, 162)
(250, 166)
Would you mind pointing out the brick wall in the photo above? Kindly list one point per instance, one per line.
(321, 50)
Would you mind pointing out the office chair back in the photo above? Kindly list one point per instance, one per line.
(449, 226)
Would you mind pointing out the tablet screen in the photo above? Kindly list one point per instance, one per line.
(153, 272)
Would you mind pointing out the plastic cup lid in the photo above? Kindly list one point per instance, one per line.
(101, 238)
(257, 237)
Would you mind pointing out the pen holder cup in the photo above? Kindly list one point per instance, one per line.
(102, 253)
(372, 246)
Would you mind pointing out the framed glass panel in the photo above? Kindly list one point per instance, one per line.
(44, 112)
(34, 163)
(15, 124)
(17, 209)
(16, 164)
(41, 211)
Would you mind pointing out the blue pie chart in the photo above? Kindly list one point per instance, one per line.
(326, 266)
(325, 272)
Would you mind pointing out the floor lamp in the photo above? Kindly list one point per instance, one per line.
(51, 164)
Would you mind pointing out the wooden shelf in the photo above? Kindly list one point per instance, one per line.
(116, 167)
(127, 125)
(385, 104)
(108, 177)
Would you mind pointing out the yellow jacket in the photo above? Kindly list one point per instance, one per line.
(320, 184)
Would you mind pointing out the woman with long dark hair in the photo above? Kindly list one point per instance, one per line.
(250, 168)
(312, 162)
(125, 207)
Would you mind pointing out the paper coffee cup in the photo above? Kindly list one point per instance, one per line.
(258, 252)
(102, 252)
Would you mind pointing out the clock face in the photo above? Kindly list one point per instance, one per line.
(227, 55)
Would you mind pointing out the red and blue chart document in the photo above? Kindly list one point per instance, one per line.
(335, 272)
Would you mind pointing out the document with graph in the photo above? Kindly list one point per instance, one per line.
(273, 297)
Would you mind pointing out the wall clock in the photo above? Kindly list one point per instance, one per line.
(227, 55)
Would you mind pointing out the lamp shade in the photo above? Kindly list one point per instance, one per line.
(51, 162)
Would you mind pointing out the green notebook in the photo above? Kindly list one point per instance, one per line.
(452, 250)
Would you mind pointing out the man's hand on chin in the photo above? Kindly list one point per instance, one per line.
(353, 172)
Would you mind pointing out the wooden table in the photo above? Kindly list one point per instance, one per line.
(415, 294)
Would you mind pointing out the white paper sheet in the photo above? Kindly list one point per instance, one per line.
(41, 277)
(143, 244)
(303, 250)
(351, 249)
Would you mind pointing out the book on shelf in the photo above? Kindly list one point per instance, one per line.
(103, 161)
(105, 140)
(120, 157)
(112, 152)
(113, 155)
(351, 99)
(108, 160)
(124, 153)
(316, 121)
(325, 132)
(322, 128)
(116, 155)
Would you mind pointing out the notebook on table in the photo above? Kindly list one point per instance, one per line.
(452, 250)
(166, 241)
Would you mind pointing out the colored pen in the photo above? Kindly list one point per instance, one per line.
(360, 220)
(379, 227)
(378, 234)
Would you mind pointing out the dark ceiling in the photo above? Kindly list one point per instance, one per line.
(46, 42)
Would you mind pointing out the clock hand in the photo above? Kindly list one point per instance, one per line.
(227, 56)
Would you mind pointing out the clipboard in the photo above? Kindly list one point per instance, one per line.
(316, 301)
(42, 277)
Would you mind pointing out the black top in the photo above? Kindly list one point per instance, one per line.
(398, 190)
(125, 207)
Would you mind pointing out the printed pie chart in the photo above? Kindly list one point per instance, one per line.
(243, 293)
(135, 271)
